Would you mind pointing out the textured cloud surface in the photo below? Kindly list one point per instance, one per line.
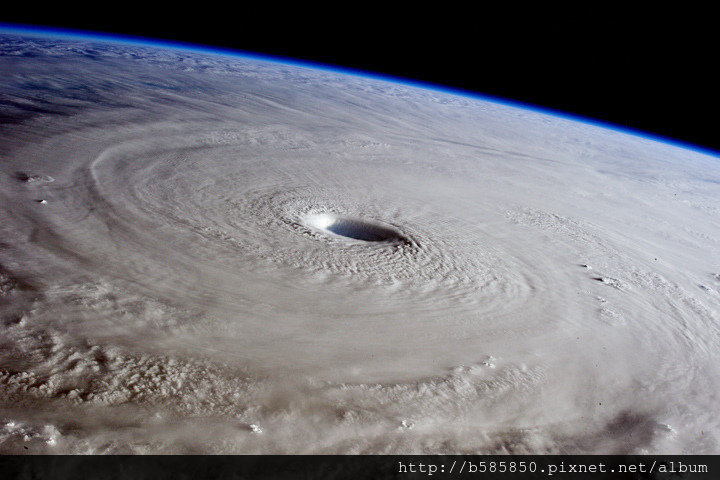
(213, 254)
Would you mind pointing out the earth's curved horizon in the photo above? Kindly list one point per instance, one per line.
(216, 253)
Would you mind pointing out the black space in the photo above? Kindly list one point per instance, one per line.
(652, 74)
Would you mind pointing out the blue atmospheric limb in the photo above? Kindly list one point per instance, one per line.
(56, 32)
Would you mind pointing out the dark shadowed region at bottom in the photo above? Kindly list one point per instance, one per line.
(375, 467)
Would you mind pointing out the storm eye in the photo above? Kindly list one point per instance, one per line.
(355, 228)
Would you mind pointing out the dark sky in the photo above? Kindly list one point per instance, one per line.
(648, 74)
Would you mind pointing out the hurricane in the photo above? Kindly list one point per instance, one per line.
(204, 252)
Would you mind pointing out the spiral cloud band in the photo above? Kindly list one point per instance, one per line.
(220, 254)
